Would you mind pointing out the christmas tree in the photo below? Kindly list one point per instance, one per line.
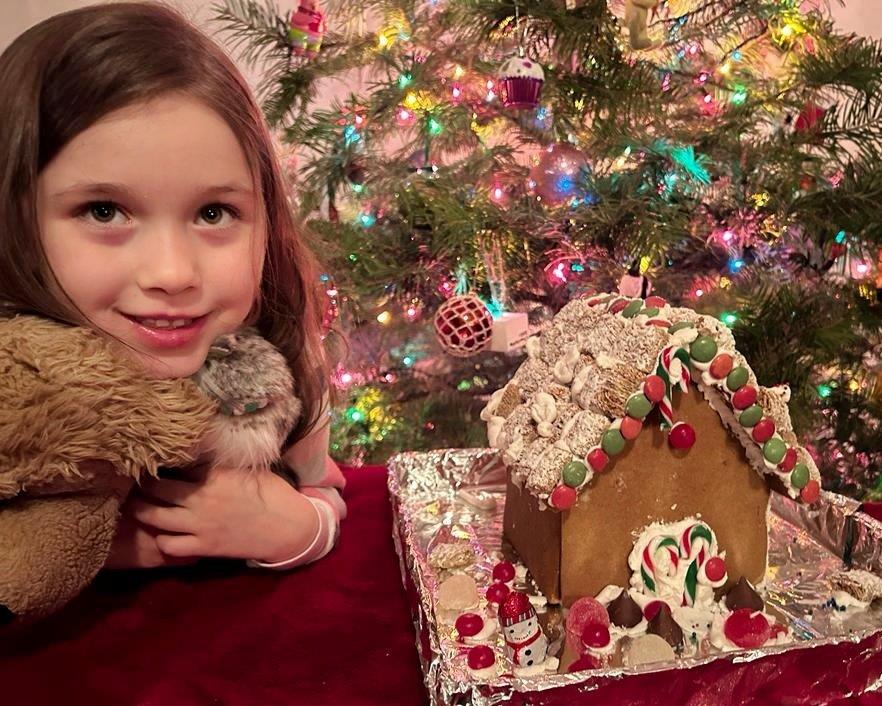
(502, 157)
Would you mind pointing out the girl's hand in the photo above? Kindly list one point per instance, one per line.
(226, 512)
(134, 546)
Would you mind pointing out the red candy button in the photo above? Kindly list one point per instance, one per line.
(618, 305)
(595, 635)
(504, 571)
(744, 398)
(747, 628)
(469, 624)
(563, 497)
(630, 428)
(721, 366)
(654, 301)
(654, 389)
(661, 323)
(763, 431)
(481, 657)
(715, 569)
(788, 462)
(682, 436)
(811, 492)
(597, 459)
(497, 592)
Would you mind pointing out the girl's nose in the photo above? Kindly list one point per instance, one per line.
(169, 262)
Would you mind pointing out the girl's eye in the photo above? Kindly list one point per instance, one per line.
(103, 211)
(214, 213)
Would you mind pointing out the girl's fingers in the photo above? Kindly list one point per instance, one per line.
(169, 519)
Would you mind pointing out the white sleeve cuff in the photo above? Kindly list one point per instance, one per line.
(320, 545)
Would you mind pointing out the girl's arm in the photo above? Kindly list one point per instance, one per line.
(320, 482)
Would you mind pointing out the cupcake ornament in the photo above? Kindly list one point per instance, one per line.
(520, 82)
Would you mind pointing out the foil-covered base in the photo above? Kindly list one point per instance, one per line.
(457, 497)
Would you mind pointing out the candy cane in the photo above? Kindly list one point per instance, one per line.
(698, 536)
(647, 565)
(670, 359)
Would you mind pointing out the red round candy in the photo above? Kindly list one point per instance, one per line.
(747, 628)
(618, 305)
(584, 611)
(661, 323)
(721, 366)
(682, 436)
(497, 592)
(788, 462)
(652, 608)
(654, 389)
(504, 571)
(811, 492)
(586, 661)
(469, 624)
(655, 301)
(563, 497)
(745, 397)
(630, 428)
(597, 459)
(715, 568)
(481, 657)
(763, 430)
(595, 635)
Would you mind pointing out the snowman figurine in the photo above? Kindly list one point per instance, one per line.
(525, 644)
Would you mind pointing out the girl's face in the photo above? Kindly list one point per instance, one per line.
(152, 226)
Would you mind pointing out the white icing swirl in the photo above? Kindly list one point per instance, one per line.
(544, 412)
(565, 368)
(520, 67)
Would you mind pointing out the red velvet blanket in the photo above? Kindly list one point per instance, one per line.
(337, 632)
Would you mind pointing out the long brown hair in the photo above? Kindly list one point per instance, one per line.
(63, 75)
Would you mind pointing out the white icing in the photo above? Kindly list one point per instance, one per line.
(549, 665)
(494, 432)
(520, 67)
(607, 361)
(486, 673)
(490, 408)
(683, 337)
(565, 368)
(488, 631)
(845, 600)
(533, 346)
(544, 412)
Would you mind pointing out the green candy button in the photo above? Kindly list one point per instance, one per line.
(574, 474)
(612, 442)
(800, 476)
(638, 406)
(680, 325)
(632, 309)
(750, 416)
(774, 450)
(737, 378)
(650, 311)
(703, 349)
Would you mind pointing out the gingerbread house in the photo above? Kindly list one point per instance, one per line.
(628, 413)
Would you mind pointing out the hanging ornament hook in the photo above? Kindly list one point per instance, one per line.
(523, 36)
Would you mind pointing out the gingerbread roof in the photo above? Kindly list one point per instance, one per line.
(603, 365)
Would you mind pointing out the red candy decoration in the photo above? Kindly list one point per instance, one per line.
(630, 428)
(654, 389)
(763, 431)
(682, 436)
(715, 569)
(595, 635)
(654, 301)
(652, 608)
(597, 459)
(504, 571)
(661, 323)
(497, 592)
(618, 305)
(747, 628)
(469, 624)
(584, 611)
(811, 492)
(481, 657)
(586, 661)
(744, 397)
(788, 462)
(563, 497)
(721, 366)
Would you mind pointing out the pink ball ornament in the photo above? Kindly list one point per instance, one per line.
(560, 174)
(463, 325)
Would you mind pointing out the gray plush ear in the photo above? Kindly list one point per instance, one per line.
(252, 383)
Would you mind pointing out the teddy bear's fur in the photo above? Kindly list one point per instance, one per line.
(70, 395)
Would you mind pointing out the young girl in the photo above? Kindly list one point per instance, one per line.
(140, 196)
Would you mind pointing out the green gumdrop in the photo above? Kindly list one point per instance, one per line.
(638, 406)
(774, 450)
(574, 474)
(737, 378)
(612, 442)
(750, 416)
(632, 309)
(800, 476)
(680, 325)
(650, 311)
(703, 349)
